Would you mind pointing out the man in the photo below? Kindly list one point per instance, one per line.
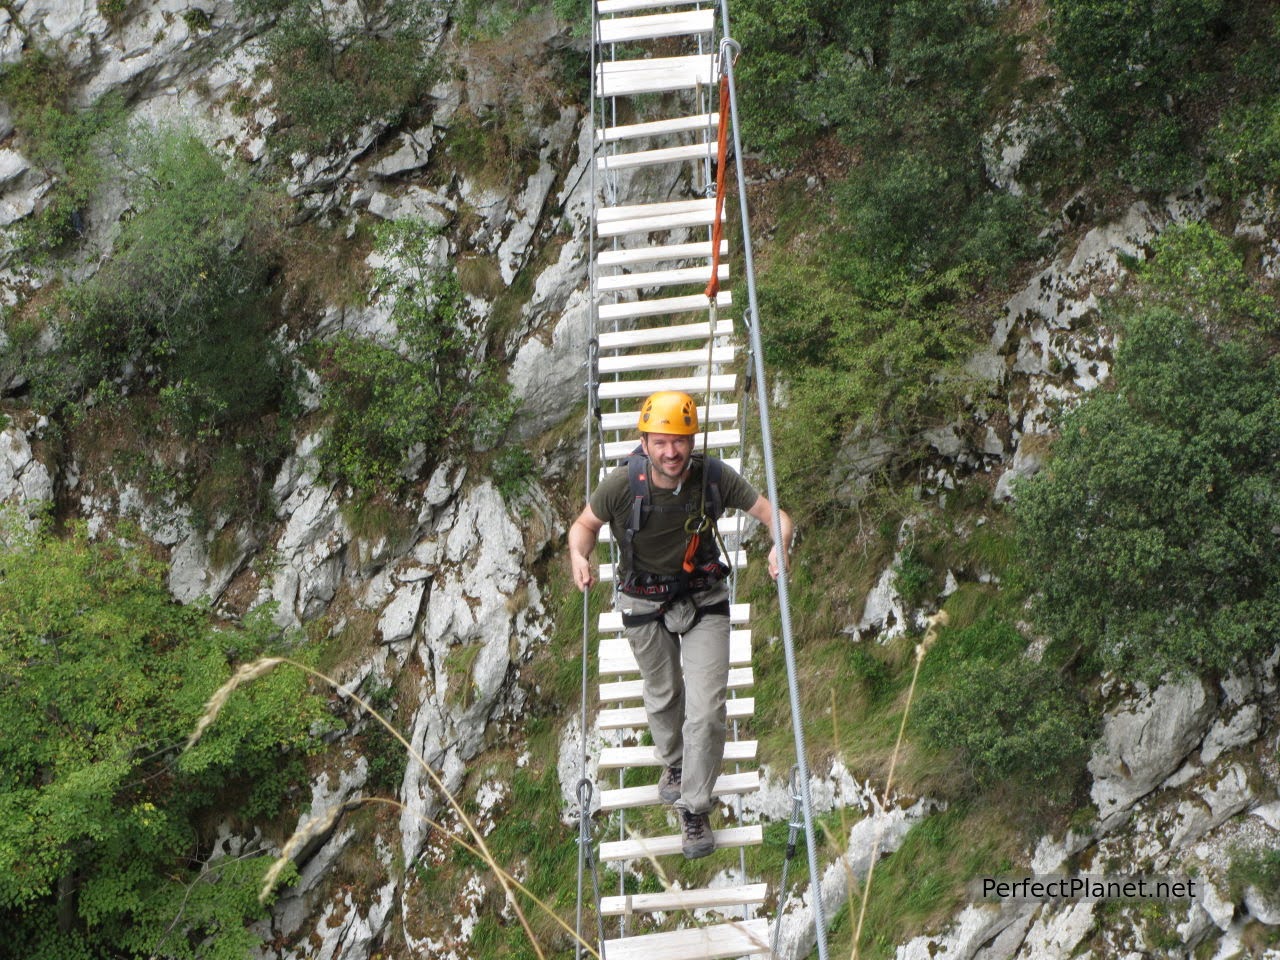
(675, 600)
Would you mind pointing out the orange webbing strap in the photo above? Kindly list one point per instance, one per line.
(717, 226)
(690, 552)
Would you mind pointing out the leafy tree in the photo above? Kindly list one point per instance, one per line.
(388, 404)
(1137, 76)
(105, 831)
(1152, 530)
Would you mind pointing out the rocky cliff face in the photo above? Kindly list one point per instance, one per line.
(1181, 774)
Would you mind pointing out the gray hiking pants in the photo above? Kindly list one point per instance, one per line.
(685, 703)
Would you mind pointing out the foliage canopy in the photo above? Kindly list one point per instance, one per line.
(1152, 529)
(106, 846)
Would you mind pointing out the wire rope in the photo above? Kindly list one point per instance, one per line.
(771, 481)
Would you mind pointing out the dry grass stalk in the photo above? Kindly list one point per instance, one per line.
(312, 828)
(939, 619)
(245, 673)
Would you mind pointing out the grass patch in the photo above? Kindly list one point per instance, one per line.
(923, 883)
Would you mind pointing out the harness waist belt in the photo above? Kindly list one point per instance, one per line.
(720, 609)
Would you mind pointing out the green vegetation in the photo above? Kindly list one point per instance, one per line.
(63, 141)
(332, 74)
(1010, 720)
(107, 843)
(386, 405)
(180, 304)
(870, 298)
(1139, 77)
(1255, 868)
(513, 471)
(1151, 532)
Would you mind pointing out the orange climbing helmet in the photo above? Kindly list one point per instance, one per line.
(669, 411)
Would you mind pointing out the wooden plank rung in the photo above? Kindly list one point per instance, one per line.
(616, 758)
(631, 362)
(625, 6)
(629, 256)
(655, 26)
(635, 211)
(696, 385)
(616, 656)
(664, 333)
(706, 898)
(628, 78)
(656, 157)
(661, 278)
(727, 838)
(635, 718)
(708, 122)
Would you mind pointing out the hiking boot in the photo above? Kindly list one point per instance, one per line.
(695, 834)
(669, 785)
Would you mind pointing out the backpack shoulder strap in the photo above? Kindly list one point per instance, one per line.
(715, 499)
(638, 483)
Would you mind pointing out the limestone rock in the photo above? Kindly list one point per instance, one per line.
(1228, 733)
(1144, 742)
(192, 574)
(1261, 907)
(413, 153)
(1028, 458)
(975, 926)
(25, 482)
(884, 614)
(856, 463)
(401, 614)
(1057, 932)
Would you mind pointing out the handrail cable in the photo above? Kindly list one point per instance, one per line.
(771, 482)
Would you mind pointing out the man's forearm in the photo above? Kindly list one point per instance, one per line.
(581, 541)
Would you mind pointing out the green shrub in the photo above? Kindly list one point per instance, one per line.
(1010, 720)
(1196, 268)
(911, 86)
(332, 74)
(180, 304)
(912, 577)
(1135, 73)
(387, 404)
(858, 350)
(1244, 148)
(513, 471)
(107, 838)
(1255, 868)
(1151, 532)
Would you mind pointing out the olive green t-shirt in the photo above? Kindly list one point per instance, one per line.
(660, 544)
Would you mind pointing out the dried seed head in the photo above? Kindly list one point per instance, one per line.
(246, 672)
